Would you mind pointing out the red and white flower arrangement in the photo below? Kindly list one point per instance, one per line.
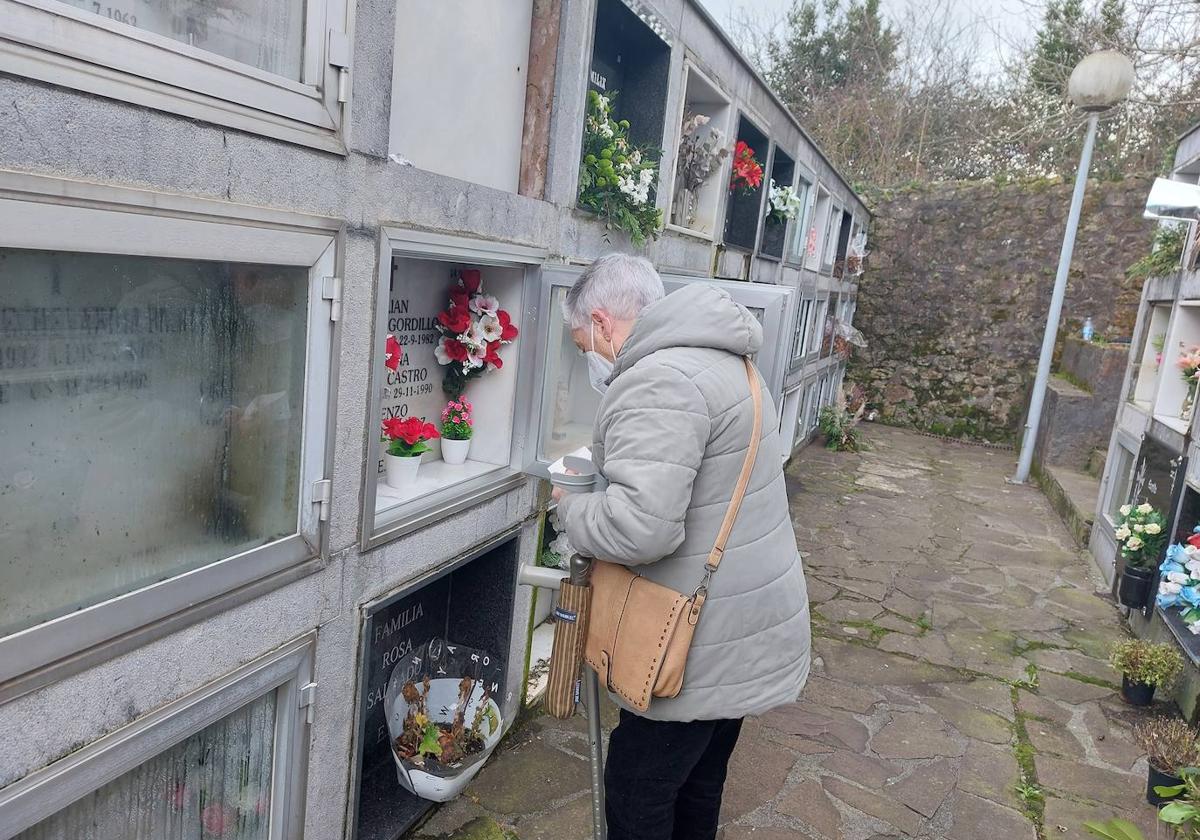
(747, 171)
(473, 330)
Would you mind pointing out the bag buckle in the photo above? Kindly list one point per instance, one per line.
(709, 568)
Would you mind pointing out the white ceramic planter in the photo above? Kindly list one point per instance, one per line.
(455, 451)
(401, 472)
(442, 696)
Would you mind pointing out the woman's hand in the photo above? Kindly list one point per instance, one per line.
(556, 492)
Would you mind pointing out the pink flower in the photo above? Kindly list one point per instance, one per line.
(177, 796)
(216, 818)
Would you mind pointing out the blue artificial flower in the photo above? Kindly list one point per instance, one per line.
(1168, 566)
(1176, 553)
(1164, 600)
(1196, 530)
(1191, 594)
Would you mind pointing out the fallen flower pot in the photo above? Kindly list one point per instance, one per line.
(1137, 693)
(1136, 587)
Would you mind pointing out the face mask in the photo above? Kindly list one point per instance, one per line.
(599, 368)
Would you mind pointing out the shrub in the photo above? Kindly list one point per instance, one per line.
(1146, 662)
(1170, 744)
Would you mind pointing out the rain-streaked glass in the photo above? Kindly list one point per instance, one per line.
(266, 35)
(150, 421)
(569, 404)
(215, 784)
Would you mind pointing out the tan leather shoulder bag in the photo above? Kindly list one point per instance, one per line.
(640, 631)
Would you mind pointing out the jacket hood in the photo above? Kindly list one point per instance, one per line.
(697, 315)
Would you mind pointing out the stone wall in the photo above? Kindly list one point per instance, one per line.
(959, 278)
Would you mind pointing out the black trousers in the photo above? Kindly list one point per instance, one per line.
(663, 780)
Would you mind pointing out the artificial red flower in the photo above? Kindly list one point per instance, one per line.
(491, 355)
(411, 430)
(747, 172)
(471, 280)
(455, 350)
(1194, 540)
(507, 331)
(460, 297)
(456, 319)
(392, 353)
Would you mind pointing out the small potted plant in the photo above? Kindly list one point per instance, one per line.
(457, 428)
(406, 441)
(1171, 747)
(1140, 534)
(1144, 666)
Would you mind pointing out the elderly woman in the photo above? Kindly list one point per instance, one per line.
(671, 436)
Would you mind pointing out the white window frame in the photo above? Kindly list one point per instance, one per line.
(57, 43)
(833, 226)
(799, 232)
(419, 513)
(816, 332)
(51, 214)
(288, 672)
(818, 221)
(805, 306)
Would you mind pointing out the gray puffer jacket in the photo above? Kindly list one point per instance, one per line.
(670, 437)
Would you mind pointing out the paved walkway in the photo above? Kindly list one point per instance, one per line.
(959, 690)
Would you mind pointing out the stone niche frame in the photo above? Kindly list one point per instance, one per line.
(702, 96)
(470, 601)
(783, 173)
(408, 299)
(631, 56)
(744, 211)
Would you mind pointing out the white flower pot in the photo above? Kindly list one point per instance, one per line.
(401, 471)
(455, 451)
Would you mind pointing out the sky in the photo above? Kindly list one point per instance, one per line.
(1001, 22)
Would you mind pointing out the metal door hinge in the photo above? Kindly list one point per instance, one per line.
(339, 56)
(322, 494)
(308, 700)
(331, 290)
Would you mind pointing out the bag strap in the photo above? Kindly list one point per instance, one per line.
(739, 489)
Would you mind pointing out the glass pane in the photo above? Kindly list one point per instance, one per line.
(217, 783)
(800, 225)
(266, 35)
(569, 404)
(150, 416)
(1122, 477)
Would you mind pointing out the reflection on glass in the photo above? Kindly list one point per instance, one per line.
(217, 783)
(799, 340)
(799, 231)
(150, 416)
(266, 35)
(569, 403)
(1122, 479)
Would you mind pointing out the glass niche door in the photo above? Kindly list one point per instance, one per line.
(772, 306)
(562, 393)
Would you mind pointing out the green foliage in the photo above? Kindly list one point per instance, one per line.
(1166, 252)
(1030, 680)
(831, 44)
(617, 179)
(840, 428)
(429, 741)
(1061, 44)
(1029, 793)
(1115, 829)
(1150, 663)
(1183, 814)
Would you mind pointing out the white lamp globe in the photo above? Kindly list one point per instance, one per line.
(1100, 81)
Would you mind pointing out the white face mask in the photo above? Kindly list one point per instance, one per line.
(599, 368)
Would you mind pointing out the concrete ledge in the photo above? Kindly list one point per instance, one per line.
(1073, 495)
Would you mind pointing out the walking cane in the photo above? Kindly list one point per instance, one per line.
(566, 685)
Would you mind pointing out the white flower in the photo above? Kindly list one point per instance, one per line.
(483, 304)
(605, 130)
(1134, 543)
(1122, 533)
(1125, 510)
(1170, 588)
(1195, 628)
(1191, 550)
(1145, 507)
(439, 353)
(1137, 529)
(1193, 566)
(1153, 528)
(1177, 578)
(489, 328)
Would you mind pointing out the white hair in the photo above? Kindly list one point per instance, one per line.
(620, 284)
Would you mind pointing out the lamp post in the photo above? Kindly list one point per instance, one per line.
(1097, 83)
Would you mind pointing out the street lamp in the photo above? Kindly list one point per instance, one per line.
(1097, 83)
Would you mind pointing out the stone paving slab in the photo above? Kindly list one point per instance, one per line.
(960, 642)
